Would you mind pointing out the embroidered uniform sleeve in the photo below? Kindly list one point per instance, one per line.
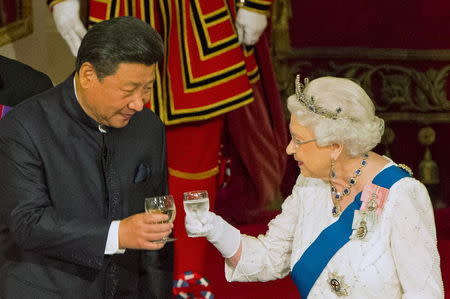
(413, 241)
(267, 257)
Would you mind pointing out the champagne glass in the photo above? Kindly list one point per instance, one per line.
(196, 204)
(163, 204)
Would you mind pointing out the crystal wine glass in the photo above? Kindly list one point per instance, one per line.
(196, 204)
(163, 204)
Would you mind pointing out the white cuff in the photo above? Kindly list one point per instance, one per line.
(112, 243)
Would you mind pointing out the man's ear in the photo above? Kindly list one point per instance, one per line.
(87, 75)
(336, 150)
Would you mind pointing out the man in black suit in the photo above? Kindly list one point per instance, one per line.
(77, 162)
(18, 82)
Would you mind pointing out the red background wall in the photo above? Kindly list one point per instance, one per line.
(414, 25)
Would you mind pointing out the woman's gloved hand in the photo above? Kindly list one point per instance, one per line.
(220, 233)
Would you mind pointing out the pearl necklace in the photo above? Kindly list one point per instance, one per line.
(338, 196)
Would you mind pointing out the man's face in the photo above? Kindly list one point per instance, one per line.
(113, 100)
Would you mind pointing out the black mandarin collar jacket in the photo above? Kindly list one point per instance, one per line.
(63, 181)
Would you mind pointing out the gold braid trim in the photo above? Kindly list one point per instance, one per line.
(260, 2)
(259, 6)
(194, 176)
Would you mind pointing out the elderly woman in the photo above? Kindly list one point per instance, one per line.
(356, 223)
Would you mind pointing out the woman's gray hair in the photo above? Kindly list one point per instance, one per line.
(356, 126)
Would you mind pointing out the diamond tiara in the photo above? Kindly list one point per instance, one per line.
(309, 103)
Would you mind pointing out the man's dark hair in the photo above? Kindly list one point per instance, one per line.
(119, 40)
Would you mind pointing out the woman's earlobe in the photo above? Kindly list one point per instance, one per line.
(336, 150)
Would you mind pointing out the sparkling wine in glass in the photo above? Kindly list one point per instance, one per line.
(196, 204)
(163, 204)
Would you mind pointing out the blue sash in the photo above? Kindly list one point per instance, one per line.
(331, 239)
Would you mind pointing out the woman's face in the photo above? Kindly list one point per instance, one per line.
(313, 160)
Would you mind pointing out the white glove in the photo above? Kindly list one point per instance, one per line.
(220, 233)
(250, 25)
(67, 19)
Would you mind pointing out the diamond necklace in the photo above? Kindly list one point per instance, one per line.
(338, 196)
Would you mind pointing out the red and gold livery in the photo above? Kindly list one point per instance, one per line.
(202, 53)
